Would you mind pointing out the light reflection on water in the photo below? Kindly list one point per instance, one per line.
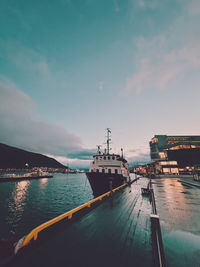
(16, 203)
(26, 204)
(19, 195)
(43, 182)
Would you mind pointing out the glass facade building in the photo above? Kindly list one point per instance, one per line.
(183, 149)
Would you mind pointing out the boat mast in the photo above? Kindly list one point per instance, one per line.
(108, 140)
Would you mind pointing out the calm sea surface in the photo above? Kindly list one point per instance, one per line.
(26, 204)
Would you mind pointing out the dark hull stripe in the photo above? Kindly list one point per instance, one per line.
(100, 183)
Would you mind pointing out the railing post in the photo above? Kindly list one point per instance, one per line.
(110, 187)
(159, 254)
(158, 248)
(35, 236)
(69, 216)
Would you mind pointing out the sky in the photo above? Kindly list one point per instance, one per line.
(71, 68)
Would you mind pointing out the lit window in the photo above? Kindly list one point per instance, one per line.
(162, 155)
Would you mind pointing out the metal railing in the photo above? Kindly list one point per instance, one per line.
(33, 235)
(157, 242)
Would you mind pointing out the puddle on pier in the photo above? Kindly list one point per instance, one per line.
(178, 208)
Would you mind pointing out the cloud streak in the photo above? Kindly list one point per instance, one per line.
(83, 155)
(193, 7)
(165, 59)
(141, 154)
(141, 157)
(25, 58)
(19, 126)
(166, 70)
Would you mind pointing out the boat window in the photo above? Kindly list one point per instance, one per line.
(113, 157)
(97, 170)
(109, 170)
(103, 170)
(104, 157)
(91, 170)
(108, 157)
(116, 171)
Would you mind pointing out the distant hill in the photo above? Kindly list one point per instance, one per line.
(12, 157)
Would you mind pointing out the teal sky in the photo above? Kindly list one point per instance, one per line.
(69, 69)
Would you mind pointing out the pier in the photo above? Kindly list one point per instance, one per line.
(115, 233)
(148, 223)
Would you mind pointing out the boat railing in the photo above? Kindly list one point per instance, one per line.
(33, 235)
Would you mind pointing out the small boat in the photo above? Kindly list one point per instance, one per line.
(107, 170)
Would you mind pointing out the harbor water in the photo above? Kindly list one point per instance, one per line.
(26, 204)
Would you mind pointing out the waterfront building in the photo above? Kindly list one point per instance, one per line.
(172, 154)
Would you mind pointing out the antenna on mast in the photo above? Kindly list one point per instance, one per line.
(108, 140)
(99, 149)
(122, 151)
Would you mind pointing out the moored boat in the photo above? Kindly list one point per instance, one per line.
(107, 170)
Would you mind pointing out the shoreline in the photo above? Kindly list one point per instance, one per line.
(13, 179)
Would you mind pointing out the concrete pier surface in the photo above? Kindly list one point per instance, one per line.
(178, 206)
(115, 233)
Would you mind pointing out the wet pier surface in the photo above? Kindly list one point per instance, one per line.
(178, 206)
(189, 181)
(115, 233)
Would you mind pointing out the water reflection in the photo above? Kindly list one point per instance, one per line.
(17, 202)
(43, 183)
(19, 194)
(26, 204)
(178, 207)
(174, 203)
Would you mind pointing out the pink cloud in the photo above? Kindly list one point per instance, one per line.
(163, 61)
(193, 7)
(160, 70)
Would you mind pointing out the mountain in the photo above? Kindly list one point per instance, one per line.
(15, 158)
